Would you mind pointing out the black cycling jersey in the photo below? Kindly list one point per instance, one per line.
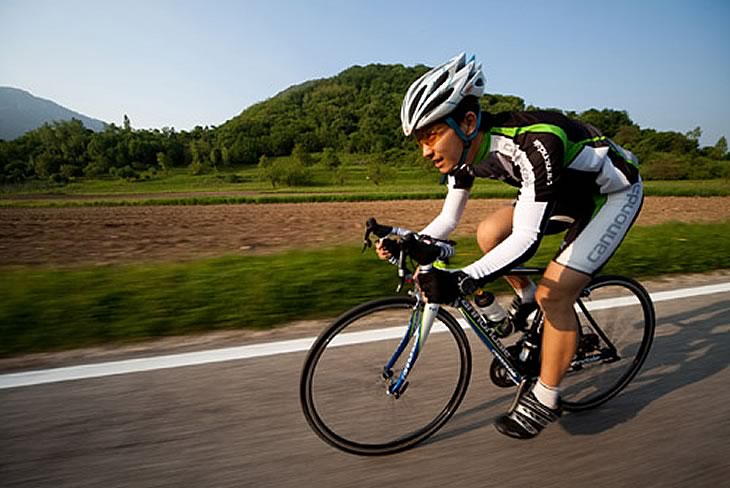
(550, 157)
(561, 167)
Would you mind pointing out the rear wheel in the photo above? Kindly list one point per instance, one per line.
(344, 389)
(616, 320)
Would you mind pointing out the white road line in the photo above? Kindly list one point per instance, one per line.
(87, 371)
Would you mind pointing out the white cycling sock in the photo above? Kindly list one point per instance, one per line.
(547, 395)
(527, 294)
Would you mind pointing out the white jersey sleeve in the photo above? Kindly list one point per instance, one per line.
(527, 222)
(454, 203)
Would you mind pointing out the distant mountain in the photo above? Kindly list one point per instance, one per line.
(21, 112)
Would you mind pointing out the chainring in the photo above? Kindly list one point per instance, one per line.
(498, 373)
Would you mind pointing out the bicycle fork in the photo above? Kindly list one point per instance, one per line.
(421, 322)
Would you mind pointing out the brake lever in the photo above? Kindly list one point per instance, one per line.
(366, 242)
(373, 227)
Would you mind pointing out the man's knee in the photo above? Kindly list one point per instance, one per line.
(486, 237)
(552, 298)
(494, 229)
(544, 297)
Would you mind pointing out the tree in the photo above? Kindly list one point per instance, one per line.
(290, 172)
(695, 134)
(245, 150)
(300, 154)
(46, 164)
(608, 121)
(216, 157)
(338, 176)
(15, 172)
(68, 171)
(295, 173)
(267, 171)
(501, 103)
(719, 150)
(628, 136)
(330, 159)
(378, 171)
(264, 162)
(163, 161)
(665, 166)
(197, 168)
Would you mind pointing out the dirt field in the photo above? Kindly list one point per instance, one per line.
(99, 235)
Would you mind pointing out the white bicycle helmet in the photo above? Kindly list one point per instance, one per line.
(437, 93)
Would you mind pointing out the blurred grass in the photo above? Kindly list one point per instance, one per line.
(406, 184)
(688, 188)
(505, 192)
(50, 309)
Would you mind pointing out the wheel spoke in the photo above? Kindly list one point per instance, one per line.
(361, 416)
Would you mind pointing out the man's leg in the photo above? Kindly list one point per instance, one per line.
(493, 230)
(538, 407)
(561, 283)
(557, 292)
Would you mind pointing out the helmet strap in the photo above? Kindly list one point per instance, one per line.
(466, 140)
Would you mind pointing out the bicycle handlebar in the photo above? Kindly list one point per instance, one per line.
(422, 248)
(425, 249)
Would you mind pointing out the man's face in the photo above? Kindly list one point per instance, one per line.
(441, 145)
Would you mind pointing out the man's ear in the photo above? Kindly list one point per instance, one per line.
(469, 124)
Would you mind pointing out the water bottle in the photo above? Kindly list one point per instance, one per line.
(493, 312)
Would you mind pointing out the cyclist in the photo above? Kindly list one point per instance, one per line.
(566, 171)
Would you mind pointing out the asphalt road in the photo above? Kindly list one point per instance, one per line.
(239, 423)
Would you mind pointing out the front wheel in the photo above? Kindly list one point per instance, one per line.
(616, 320)
(344, 387)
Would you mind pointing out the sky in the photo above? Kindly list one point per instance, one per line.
(186, 63)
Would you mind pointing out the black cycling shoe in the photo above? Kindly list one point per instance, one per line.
(527, 417)
(518, 313)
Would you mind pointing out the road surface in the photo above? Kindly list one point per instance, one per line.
(238, 423)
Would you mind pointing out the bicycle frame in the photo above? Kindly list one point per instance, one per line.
(420, 326)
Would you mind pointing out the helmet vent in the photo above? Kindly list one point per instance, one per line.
(438, 101)
(441, 80)
(416, 101)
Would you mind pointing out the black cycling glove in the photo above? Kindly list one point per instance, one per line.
(391, 246)
(445, 287)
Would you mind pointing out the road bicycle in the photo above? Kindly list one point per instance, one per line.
(362, 393)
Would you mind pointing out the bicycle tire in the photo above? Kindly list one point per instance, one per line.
(313, 407)
(626, 310)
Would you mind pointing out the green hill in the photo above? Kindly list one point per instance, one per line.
(354, 112)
